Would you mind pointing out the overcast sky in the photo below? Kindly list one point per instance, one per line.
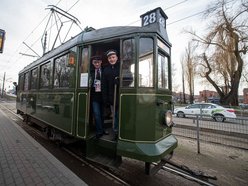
(22, 21)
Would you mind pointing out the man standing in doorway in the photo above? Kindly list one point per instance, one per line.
(96, 95)
(110, 88)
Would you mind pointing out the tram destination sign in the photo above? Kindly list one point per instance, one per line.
(2, 38)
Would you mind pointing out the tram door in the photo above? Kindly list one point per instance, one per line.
(83, 95)
(84, 117)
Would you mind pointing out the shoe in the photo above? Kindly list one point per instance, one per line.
(105, 133)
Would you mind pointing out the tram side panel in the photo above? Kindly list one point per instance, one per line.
(143, 135)
(21, 102)
(54, 109)
(140, 118)
(82, 115)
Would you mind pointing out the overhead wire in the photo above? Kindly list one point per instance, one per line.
(16, 51)
(56, 22)
(184, 18)
(21, 44)
(193, 15)
(174, 5)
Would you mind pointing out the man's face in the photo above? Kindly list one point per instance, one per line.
(97, 63)
(112, 59)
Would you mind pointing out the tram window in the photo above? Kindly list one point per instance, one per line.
(63, 72)
(163, 46)
(162, 72)
(146, 62)
(84, 68)
(128, 65)
(21, 82)
(45, 74)
(34, 78)
(26, 81)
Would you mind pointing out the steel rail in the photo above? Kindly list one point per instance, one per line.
(185, 175)
(97, 168)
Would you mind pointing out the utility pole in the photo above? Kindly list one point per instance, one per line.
(3, 83)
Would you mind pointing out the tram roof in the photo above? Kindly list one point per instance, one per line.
(97, 35)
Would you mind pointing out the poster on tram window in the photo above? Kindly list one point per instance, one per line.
(84, 80)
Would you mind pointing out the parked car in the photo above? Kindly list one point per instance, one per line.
(243, 106)
(217, 112)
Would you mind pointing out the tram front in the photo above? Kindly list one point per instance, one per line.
(145, 99)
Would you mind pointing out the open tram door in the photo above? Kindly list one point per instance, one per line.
(101, 150)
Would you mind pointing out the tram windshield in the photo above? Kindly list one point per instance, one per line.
(163, 72)
(163, 65)
(146, 62)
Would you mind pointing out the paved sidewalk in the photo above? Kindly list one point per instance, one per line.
(23, 161)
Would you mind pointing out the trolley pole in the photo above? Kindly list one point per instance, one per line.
(3, 83)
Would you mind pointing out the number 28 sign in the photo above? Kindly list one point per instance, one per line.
(153, 16)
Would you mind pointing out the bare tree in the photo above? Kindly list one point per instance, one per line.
(183, 79)
(224, 48)
(245, 74)
(189, 70)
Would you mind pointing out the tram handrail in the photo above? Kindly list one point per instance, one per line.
(114, 104)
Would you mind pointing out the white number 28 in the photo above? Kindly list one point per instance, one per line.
(150, 18)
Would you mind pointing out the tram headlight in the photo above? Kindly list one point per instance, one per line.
(168, 118)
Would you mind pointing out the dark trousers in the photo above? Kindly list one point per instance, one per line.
(97, 108)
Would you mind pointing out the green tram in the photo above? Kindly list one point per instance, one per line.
(54, 92)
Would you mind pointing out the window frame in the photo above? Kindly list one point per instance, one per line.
(126, 57)
(50, 75)
(147, 55)
(32, 78)
(26, 87)
(85, 63)
(166, 75)
(67, 55)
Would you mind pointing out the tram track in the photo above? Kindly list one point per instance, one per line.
(97, 168)
(186, 174)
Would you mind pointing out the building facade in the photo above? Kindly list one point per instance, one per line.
(208, 96)
(245, 95)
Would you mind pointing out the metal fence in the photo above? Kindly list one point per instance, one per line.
(231, 132)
